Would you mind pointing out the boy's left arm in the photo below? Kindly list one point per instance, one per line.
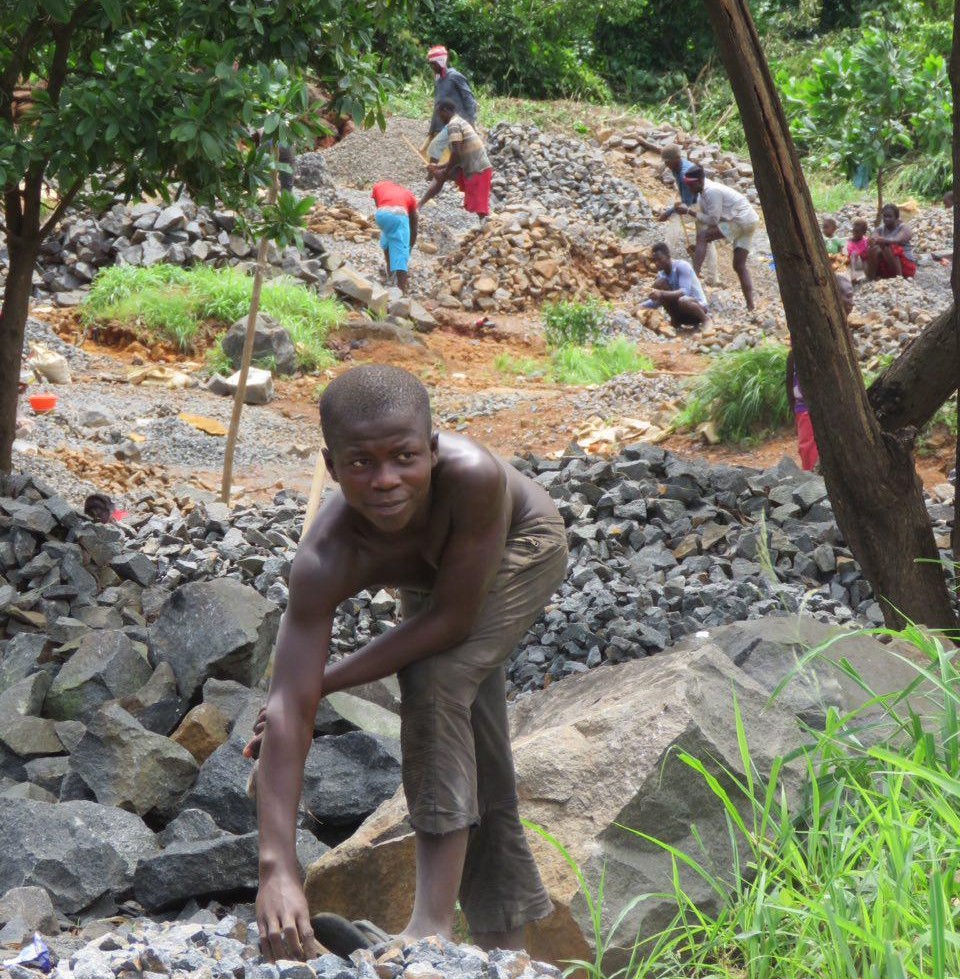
(469, 564)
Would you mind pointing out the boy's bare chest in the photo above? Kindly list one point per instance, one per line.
(412, 559)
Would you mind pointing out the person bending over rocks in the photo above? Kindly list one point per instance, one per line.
(723, 213)
(396, 218)
(889, 255)
(476, 549)
(469, 164)
(677, 289)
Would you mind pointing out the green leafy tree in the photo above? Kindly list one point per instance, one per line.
(881, 100)
(133, 96)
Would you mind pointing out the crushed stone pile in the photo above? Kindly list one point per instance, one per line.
(525, 255)
(366, 156)
(145, 234)
(565, 175)
(639, 148)
(228, 947)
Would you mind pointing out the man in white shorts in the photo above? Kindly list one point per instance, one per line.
(723, 212)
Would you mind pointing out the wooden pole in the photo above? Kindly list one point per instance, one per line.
(241, 392)
(316, 491)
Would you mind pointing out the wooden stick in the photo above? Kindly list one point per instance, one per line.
(241, 392)
(316, 492)
(413, 149)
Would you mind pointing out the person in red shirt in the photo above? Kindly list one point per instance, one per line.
(396, 218)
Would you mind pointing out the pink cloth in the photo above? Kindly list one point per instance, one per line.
(858, 248)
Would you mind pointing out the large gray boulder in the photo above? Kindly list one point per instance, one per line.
(219, 867)
(772, 648)
(594, 753)
(76, 851)
(347, 776)
(128, 766)
(221, 787)
(271, 345)
(105, 666)
(217, 628)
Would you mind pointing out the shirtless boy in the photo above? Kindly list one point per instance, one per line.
(476, 549)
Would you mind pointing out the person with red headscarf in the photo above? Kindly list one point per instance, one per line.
(448, 83)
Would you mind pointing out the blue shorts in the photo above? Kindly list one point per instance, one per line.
(395, 238)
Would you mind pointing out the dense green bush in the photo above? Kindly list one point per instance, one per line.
(520, 47)
(878, 102)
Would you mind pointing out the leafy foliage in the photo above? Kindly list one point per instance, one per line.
(537, 48)
(881, 99)
(577, 323)
(744, 393)
(170, 303)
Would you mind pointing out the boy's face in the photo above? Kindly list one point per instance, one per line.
(661, 261)
(384, 469)
(829, 228)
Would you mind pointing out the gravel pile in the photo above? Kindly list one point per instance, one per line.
(228, 948)
(660, 547)
(889, 313)
(565, 175)
(369, 155)
(525, 255)
(629, 394)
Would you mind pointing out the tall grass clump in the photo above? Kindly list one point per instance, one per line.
(744, 393)
(594, 365)
(172, 304)
(857, 877)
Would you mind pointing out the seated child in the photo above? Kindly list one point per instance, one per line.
(890, 255)
(476, 549)
(806, 442)
(857, 245)
(833, 243)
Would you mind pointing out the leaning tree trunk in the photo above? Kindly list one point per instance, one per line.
(955, 272)
(13, 322)
(870, 475)
(909, 392)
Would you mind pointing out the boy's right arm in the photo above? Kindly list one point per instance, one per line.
(295, 689)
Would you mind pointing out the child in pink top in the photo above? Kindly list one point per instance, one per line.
(857, 244)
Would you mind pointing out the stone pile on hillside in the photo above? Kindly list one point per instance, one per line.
(147, 234)
(890, 313)
(339, 220)
(525, 255)
(564, 175)
(639, 148)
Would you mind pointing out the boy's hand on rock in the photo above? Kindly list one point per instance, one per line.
(252, 747)
(283, 919)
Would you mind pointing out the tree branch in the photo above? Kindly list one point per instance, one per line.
(65, 201)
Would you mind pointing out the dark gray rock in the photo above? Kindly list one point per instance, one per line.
(135, 567)
(221, 787)
(105, 666)
(33, 906)
(271, 344)
(76, 851)
(217, 629)
(346, 777)
(218, 867)
(126, 765)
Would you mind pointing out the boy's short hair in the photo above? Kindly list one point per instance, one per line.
(670, 152)
(367, 393)
(447, 105)
(662, 248)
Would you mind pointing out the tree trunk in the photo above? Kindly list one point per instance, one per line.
(870, 475)
(909, 392)
(13, 322)
(955, 271)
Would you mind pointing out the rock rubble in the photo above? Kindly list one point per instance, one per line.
(565, 175)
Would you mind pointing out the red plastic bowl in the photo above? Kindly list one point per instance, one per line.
(42, 403)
